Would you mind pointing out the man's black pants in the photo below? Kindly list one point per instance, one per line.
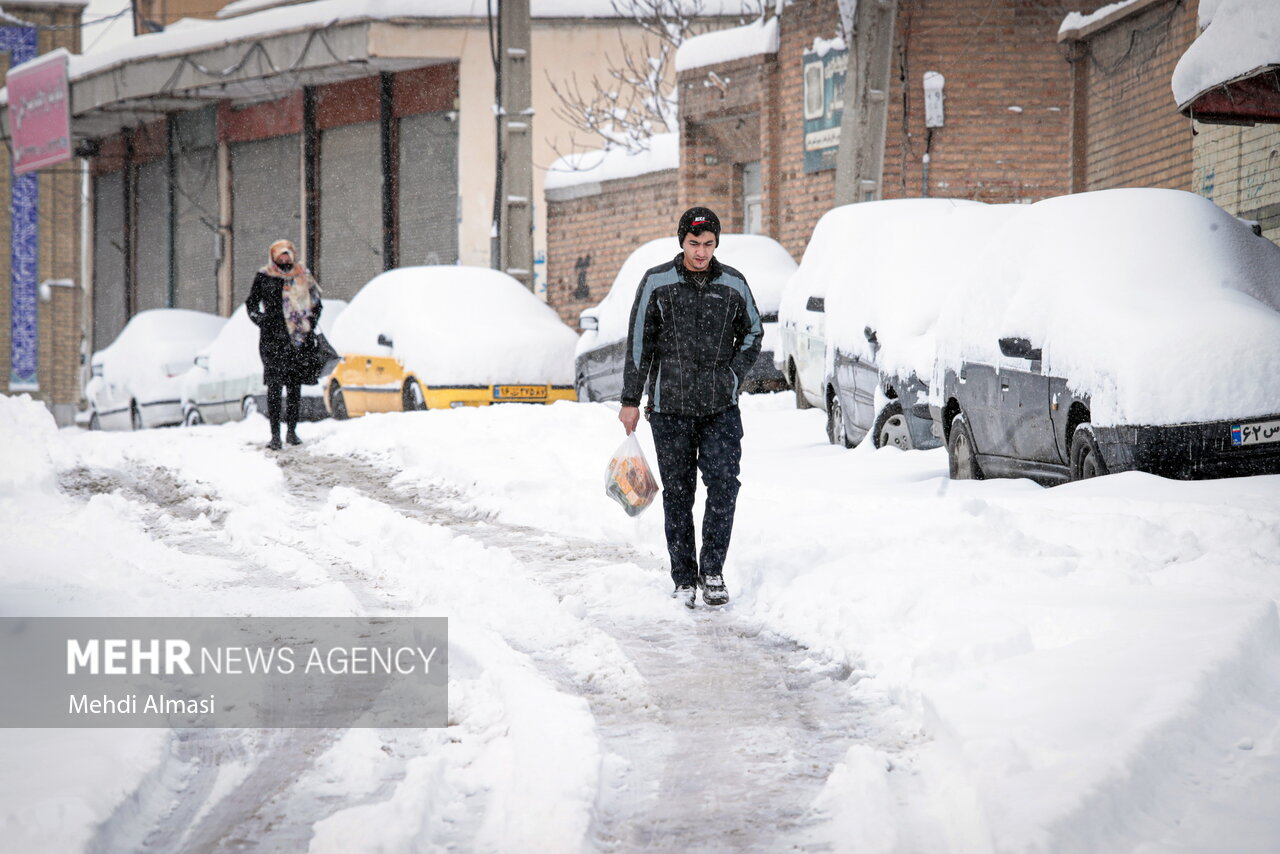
(685, 445)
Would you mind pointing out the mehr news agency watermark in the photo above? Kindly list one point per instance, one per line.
(224, 672)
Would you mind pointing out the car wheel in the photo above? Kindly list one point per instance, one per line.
(1086, 461)
(891, 429)
(962, 458)
(337, 403)
(802, 402)
(94, 423)
(249, 406)
(192, 417)
(411, 398)
(135, 417)
(836, 433)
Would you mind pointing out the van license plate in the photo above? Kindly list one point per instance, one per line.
(520, 392)
(1255, 434)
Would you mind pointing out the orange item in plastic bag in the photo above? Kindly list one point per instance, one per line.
(628, 480)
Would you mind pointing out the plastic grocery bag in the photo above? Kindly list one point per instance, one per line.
(628, 479)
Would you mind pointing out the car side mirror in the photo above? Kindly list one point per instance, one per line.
(588, 323)
(816, 304)
(871, 336)
(1019, 348)
(202, 362)
(384, 341)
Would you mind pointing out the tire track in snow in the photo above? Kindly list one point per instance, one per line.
(735, 737)
(739, 729)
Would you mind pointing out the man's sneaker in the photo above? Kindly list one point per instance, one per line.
(714, 591)
(686, 593)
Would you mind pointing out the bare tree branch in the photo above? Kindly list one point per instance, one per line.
(636, 97)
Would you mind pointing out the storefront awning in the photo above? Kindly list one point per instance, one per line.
(246, 60)
(1231, 73)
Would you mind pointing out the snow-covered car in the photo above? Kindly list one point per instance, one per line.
(1134, 329)
(858, 316)
(433, 337)
(599, 359)
(225, 384)
(136, 381)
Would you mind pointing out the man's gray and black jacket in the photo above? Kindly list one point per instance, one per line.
(689, 346)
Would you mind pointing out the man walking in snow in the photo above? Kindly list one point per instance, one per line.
(694, 334)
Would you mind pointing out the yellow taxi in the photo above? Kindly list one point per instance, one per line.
(440, 337)
(361, 384)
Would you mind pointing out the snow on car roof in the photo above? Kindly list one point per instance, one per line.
(762, 260)
(169, 324)
(459, 326)
(1157, 303)
(886, 265)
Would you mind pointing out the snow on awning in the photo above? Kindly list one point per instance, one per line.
(252, 58)
(1231, 73)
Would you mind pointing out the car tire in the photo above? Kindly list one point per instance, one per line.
(836, 433)
(1086, 460)
(411, 399)
(94, 422)
(192, 417)
(248, 406)
(891, 430)
(337, 403)
(802, 402)
(135, 417)
(962, 457)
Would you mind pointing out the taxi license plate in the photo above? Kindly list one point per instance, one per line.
(519, 392)
(1256, 433)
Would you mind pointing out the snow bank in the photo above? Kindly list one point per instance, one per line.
(595, 166)
(1156, 303)
(1067, 658)
(1242, 37)
(28, 447)
(765, 263)
(753, 39)
(458, 326)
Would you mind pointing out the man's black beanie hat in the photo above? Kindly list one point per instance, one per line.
(696, 220)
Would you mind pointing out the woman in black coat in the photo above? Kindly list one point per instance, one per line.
(285, 304)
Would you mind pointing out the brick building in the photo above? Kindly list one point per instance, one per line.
(41, 294)
(759, 132)
(1126, 132)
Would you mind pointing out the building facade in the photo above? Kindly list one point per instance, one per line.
(42, 289)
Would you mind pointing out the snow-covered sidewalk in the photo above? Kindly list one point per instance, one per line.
(983, 666)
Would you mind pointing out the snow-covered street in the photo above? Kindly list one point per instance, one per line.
(908, 663)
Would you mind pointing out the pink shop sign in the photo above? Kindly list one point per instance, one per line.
(39, 118)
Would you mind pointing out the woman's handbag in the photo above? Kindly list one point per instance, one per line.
(316, 355)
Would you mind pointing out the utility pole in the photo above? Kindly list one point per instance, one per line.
(513, 213)
(860, 160)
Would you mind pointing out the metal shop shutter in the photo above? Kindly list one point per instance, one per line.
(428, 190)
(151, 265)
(108, 258)
(350, 208)
(197, 231)
(266, 200)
